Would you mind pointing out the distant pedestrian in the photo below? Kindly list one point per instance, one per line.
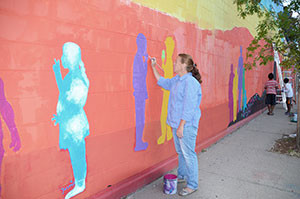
(271, 86)
(289, 95)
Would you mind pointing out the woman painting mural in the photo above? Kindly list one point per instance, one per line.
(183, 116)
(73, 123)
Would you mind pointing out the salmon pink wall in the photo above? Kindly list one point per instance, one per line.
(32, 35)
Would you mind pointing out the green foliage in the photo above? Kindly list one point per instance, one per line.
(280, 29)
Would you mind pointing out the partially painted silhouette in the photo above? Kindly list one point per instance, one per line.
(70, 115)
(7, 113)
(168, 73)
(241, 79)
(242, 103)
(237, 92)
(230, 94)
(140, 90)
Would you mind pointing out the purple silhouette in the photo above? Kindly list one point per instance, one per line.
(241, 78)
(230, 94)
(140, 90)
(8, 117)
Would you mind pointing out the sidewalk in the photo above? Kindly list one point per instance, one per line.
(241, 167)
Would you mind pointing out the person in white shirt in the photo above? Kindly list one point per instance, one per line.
(289, 95)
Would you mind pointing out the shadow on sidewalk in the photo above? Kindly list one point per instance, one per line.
(241, 165)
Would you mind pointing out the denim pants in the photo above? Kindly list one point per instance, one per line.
(187, 157)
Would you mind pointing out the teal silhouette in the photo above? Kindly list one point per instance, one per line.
(70, 115)
(242, 100)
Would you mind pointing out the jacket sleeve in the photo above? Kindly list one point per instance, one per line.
(166, 83)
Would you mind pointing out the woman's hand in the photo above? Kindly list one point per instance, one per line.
(153, 61)
(179, 132)
(153, 64)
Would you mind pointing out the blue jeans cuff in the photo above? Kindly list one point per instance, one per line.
(191, 187)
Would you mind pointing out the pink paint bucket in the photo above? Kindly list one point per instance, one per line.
(170, 184)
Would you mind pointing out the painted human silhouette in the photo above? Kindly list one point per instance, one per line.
(235, 94)
(230, 94)
(168, 73)
(140, 90)
(241, 79)
(70, 115)
(7, 113)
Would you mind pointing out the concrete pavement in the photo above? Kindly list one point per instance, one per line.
(240, 165)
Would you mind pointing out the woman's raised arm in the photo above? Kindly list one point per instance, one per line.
(153, 64)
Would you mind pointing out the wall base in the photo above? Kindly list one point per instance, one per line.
(137, 181)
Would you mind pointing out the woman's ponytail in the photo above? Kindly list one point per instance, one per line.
(196, 74)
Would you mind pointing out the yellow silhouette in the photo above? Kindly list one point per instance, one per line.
(235, 94)
(168, 73)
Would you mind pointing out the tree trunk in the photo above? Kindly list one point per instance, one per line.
(298, 112)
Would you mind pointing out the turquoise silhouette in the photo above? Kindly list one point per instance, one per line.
(242, 100)
(241, 78)
(70, 115)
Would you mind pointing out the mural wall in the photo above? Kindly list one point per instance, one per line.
(101, 94)
(239, 108)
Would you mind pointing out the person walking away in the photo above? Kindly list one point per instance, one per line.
(271, 86)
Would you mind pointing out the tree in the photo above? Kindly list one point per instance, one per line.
(276, 28)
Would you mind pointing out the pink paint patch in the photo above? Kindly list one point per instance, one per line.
(180, 39)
